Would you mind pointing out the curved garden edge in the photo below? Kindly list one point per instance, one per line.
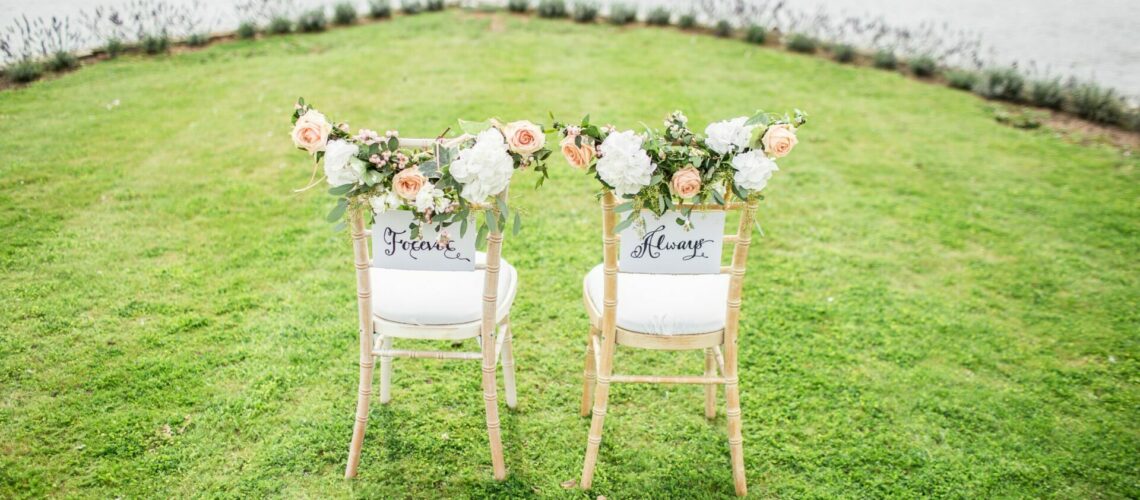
(1125, 136)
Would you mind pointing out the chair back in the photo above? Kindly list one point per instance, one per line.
(425, 254)
(693, 251)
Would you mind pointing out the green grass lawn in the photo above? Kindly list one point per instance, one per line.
(940, 305)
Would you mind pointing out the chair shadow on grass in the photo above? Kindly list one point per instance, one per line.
(394, 438)
(695, 462)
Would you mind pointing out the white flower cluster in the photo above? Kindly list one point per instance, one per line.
(341, 164)
(484, 169)
(385, 202)
(753, 169)
(430, 198)
(623, 163)
(729, 136)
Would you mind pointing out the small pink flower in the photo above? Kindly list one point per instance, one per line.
(444, 238)
(375, 159)
(573, 131)
(343, 127)
(392, 133)
(368, 137)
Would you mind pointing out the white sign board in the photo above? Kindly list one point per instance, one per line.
(665, 247)
(394, 248)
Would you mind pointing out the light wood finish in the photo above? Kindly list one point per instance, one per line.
(609, 336)
(712, 207)
(385, 371)
(377, 335)
(720, 347)
(731, 334)
(490, 389)
(398, 353)
(508, 357)
(665, 379)
(590, 374)
(364, 313)
(710, 389)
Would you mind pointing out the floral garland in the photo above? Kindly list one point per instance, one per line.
(659, 171)
(441, 185)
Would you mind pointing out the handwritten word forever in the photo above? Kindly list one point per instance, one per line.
(394, 240)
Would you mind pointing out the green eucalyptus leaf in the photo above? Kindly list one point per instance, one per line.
(492, 220)
(760, 118)
(340, 190)
(716, 196)
(338, 211)
(625, 223)
(481, 237)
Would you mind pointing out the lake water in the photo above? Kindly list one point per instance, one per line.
(1094, 39)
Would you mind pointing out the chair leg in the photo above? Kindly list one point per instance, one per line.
(601, 400)
(509, 367)
(589, 376)
(386, 373)
(735, 438)
(362, 400)
(491, 405)
(710, 389)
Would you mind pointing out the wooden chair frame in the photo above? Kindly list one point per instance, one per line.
(720, 346)
(376, 336)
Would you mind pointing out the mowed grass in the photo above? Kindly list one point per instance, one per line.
(939, 306)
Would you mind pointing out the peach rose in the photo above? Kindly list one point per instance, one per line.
(524, 137)
(578, 156)
(407, 183)
(686, 183)
(779, 140)
(311, 131)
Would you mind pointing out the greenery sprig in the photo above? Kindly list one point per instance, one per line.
(444, 184)
(733, 159)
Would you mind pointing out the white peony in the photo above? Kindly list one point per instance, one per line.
(431, 198)
(484, 169)
(753, 170)
(623, 164)
(728, 136)
(384, 202)
(338, 165)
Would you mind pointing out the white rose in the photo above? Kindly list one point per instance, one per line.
(384, 202)
(430, 198)
(623, 164)
(728, 136)
(338, 165)
(484, 169)
(753, 170)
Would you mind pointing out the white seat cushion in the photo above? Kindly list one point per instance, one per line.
(664, 304)
(438, 298)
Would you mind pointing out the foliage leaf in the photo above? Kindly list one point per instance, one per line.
(338, 211)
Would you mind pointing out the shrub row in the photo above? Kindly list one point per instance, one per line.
(1087, 100)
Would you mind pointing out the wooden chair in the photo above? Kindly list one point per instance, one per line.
(660, 311)
(398, 310)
